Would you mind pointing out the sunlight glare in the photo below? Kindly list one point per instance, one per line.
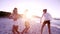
(33, 9)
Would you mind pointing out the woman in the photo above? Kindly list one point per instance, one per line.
(14, 16)
(27, 24)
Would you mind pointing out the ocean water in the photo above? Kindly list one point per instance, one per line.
(35, 26)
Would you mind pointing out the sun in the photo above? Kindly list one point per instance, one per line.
(29, 10)
(27, 14)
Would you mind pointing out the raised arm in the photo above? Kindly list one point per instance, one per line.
(41, 19)
(10, 17)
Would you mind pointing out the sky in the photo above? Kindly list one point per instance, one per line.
(34, 7)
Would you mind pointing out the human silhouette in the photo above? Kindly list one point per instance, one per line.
(46, 17)
(14, 16)
(27, 25)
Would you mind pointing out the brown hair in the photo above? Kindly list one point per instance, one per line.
(15, 10)
(44, 10)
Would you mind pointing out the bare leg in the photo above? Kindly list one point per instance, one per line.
(25, 30)
(42, 27)
(13, 32)
(49, 28)
(13, 29)
(27, 25)
(17, 30)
